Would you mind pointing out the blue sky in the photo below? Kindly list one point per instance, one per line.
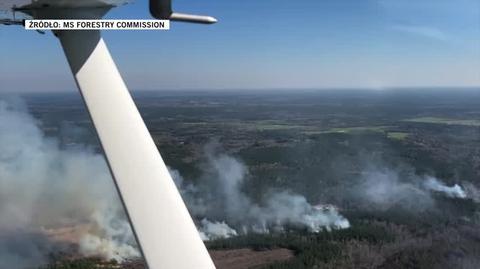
(273, 44)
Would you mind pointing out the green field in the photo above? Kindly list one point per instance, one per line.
(397, 135)
(435, 120)
(350, 130)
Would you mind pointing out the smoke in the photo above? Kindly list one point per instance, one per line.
(385, 188)
(214, 230)
(45, 188)
(287, 208)
(453, 192)
(112, 237)
(219, 196)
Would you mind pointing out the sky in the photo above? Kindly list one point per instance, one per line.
(272, 44)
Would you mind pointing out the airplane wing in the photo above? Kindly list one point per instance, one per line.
(160, 220)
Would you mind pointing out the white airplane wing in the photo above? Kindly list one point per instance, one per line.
(160, 220)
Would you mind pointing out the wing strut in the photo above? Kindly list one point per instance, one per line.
(163, 227)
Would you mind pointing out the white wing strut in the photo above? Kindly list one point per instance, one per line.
(164, 229)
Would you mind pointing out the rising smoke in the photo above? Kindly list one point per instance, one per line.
(215, 230)
(44, 189)
(454, 191)
(384, 188)
(219, 197)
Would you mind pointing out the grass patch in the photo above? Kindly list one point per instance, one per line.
(397, 135)
(445, 121)
(350, 130)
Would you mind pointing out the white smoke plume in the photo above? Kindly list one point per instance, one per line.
(45, 188)
(386, 188)
(218, 195)
(454, 191)
(215, 230)
(112, 237)
(287, 208)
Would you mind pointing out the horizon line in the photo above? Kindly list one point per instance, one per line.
(283, 89)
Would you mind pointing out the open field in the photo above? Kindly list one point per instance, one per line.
(434, 120)
(397, 135)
